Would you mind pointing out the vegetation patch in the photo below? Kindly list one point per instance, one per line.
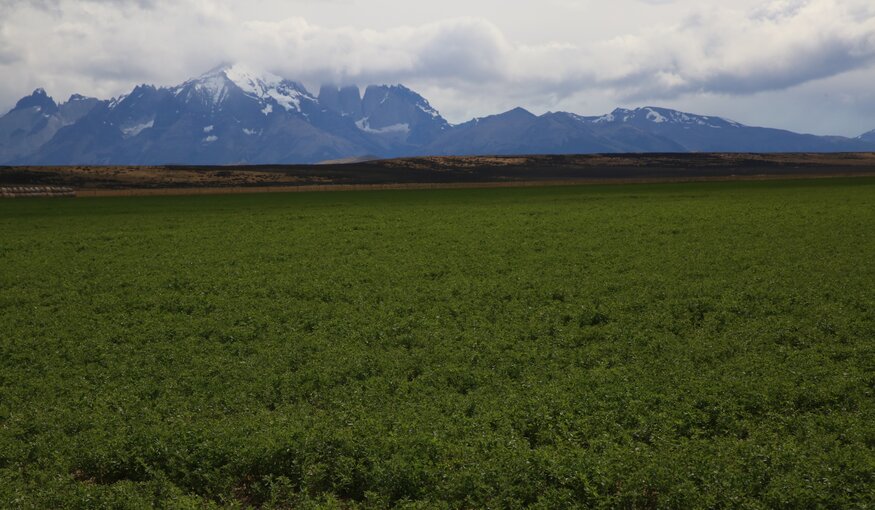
(638, 346)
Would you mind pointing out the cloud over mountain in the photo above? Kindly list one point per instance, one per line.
(739, 49)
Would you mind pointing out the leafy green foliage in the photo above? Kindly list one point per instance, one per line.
(638, 346)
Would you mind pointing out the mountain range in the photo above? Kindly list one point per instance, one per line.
(232, 115)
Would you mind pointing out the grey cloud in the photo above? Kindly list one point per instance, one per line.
(797, 42)
(472, 50)
(776, 11)
(821, 62)
(7, 57)
(826, 61)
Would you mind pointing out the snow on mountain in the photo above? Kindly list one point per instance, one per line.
(136, 129)
(364, 125)
(656, 115)
(868, 137)
(216, 86)
(264, 86)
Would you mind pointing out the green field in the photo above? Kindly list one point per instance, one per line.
(705, 345)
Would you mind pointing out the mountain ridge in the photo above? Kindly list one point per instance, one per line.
(233, 114)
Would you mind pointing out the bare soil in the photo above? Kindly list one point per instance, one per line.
(428, 172)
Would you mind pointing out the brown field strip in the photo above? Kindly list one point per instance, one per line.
(438, 173)
(88, 193)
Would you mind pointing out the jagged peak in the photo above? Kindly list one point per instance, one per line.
(38, 99)
(79, 98)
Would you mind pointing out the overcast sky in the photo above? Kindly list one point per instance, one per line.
(806, 65)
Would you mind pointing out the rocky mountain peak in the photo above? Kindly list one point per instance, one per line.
(38, 100)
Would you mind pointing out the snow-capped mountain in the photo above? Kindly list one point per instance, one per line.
(216, 87)
(700, 133)
(228, 115)
(653, 115)
(647, 129)
(233, 114)
(868, 137)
